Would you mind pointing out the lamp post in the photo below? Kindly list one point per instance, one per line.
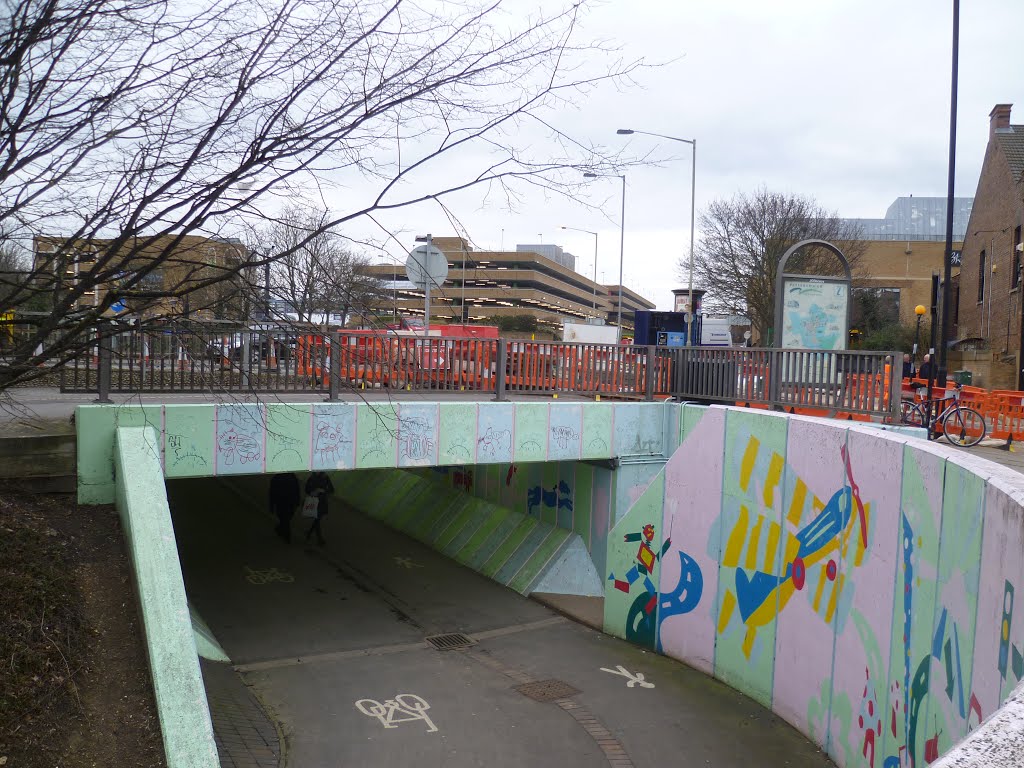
(574, 229)
(919, 310)
(622, 238)
(693, 207)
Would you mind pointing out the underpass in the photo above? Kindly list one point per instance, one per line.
(326, 635)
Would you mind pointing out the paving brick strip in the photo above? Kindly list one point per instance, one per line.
(605, 739)
(245, 736)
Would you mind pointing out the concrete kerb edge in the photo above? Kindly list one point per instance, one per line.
(141, 500)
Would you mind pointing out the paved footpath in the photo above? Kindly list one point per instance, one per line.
(332, 642)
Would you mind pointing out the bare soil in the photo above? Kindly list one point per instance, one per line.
(74, 680)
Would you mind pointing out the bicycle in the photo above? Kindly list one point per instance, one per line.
(960, 424)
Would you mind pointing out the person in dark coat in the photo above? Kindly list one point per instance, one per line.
(284, 498)
(320, 486)
(908, 367)
(927, 368)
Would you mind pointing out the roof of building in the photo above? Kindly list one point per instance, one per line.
(917, 218)
(1011, 141)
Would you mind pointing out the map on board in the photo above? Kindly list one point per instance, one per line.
(814, 315)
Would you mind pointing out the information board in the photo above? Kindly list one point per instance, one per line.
(814, 314)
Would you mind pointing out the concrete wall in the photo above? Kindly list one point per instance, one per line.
(173, 662)
(509, 546)
(240, 439)
(859, 583)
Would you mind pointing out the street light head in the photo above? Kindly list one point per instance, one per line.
(589, 175)
(920, 310)
(625, 131)
(423, 238)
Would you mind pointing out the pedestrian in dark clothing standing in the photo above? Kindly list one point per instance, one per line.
(908, 367)
(927, 368)
(284, 498)
(319, 485)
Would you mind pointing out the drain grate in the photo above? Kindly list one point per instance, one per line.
(547, 690)
(452, 641)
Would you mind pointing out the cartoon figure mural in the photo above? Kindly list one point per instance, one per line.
(329, 444)
(642, 620)
(233, 444)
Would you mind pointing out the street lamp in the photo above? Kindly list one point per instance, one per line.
(693, 205)
(622, 237)
(574, 229)
(919, 310)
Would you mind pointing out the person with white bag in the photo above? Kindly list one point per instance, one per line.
(318, 488)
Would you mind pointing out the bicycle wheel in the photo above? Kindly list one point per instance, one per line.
(911, 414)
(964, 426)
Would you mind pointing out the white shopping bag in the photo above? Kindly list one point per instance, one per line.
(310, 506)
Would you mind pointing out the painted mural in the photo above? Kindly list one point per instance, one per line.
(831, 572)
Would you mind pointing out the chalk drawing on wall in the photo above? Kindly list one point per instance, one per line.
(333, 436)
(417, 432)
(531, 446)
(181, 454)
(494, 444)
(332, 443)
(597, 447)
(564, 436)
(494, 430)
(457, 450)
(239, 442)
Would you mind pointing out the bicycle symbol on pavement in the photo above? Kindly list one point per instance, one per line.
(404, 708)
(265, 577)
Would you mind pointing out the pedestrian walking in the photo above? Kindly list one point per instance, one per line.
(285, 496)
(318, 486)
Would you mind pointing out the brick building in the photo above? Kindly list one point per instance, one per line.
(990, 307)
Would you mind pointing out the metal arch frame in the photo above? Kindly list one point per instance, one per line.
(781, 276)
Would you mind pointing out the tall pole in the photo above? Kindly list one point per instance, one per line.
(622, 251)
(462, 309)
(426, 291)
(693, 207)
(947, 272)
(595, 274)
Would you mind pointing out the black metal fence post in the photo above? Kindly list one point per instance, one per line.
(104, 364)
(499, 384)
(334, 366)
(651, 372)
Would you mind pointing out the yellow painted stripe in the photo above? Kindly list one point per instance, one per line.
(748, 641)
(821, 588)
(796, 506)
(771, 482)
(728, 606)
(733, 548)
(772, 547)
(833, 599)
(747, 465)
(755, 540)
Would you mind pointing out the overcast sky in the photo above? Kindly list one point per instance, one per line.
(846, 101)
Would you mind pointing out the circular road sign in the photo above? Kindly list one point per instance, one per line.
(426, 266)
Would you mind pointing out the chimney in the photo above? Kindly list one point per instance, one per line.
(999, 117)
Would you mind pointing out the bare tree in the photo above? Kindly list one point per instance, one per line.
(129, 126)
(743, 239)
(311, 269)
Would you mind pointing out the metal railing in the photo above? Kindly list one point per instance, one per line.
(182, 359)
(795, 379)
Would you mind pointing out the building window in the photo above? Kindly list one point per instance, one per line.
(1015, 275)
(981, 278)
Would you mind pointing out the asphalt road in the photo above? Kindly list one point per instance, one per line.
(331, 640)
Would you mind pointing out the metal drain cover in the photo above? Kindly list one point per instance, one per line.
(452, 641)
(547, 690)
